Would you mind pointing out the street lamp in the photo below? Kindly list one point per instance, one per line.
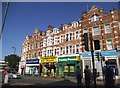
(14, 49)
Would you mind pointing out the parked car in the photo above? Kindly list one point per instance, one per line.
(14, 74)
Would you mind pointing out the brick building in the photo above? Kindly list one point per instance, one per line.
(62, 49)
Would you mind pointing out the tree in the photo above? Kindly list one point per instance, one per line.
(12, 60)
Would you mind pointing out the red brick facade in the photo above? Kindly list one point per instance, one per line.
(104, 27)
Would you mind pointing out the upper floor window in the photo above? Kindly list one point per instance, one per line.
(33, 55)
(109, 44)
(61, 38)
(61, 50)
(107, 28)
(70, 36)
(66, 49)
(66, 37)
(96, 31)
(96, 44)
(70, 49)
(36, 37)
(77, 35)
(55, 51)
(77, 48)
(55, 39)
(95, 18)
(38, 53)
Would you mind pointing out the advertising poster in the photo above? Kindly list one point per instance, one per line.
(65, 68)
(71, 68)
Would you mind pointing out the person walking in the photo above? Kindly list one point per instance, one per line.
(78, 76)
(87, 76)
(109, 75)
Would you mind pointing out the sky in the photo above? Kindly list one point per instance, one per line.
(24, 17)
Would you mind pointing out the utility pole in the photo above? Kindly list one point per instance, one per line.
(3, 23)
(92, 54)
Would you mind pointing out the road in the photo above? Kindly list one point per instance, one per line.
(30, 81)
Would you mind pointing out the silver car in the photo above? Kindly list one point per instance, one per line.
(14, 74)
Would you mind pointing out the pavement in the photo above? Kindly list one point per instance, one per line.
(31, 81)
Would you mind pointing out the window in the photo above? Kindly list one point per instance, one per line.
(33, 55)
(77, 36)
(61, 50)
(66, 49)
(70, 49)
(55, 51)
(96, 31)
(55, 39)
(109, 44)
(39, 44)
(70, 36)
(38, 53)
(96, 44)
(66, 37)
(94, 18)
(107, 28)
(77, 48)
(36, 37)
(61, 38)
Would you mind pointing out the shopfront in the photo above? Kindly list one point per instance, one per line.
(111, 56)
(67, 65)
(48, 66)
(32, 67)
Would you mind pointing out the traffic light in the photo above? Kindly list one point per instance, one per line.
(97, 54)
(85, 41)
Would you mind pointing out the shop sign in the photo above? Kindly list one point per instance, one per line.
(48, 60)
(103, 53)
(68, 59)
(36, 61)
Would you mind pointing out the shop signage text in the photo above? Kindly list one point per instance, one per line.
(32, 61)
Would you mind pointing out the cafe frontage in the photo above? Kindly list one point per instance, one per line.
(48, 66)
(67, 65)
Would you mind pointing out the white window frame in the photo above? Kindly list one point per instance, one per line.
(109, 46)
(77, 48)
(106, 28)
(76, 35)
(94, 18)
(94, 30)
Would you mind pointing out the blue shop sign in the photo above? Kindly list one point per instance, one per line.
(103, 53)
(32, 61)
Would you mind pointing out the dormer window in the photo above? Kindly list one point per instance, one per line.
(75, 24)
(94, 18)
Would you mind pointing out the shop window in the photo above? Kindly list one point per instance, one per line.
(96, 44)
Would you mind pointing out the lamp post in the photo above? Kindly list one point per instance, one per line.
(14, 49)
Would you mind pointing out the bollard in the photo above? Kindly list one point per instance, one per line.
(6, 78)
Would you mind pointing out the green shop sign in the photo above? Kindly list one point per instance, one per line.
(68, 59)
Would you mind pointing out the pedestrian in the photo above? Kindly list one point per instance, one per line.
(109, 76)
(78, 76)
(87, 76)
